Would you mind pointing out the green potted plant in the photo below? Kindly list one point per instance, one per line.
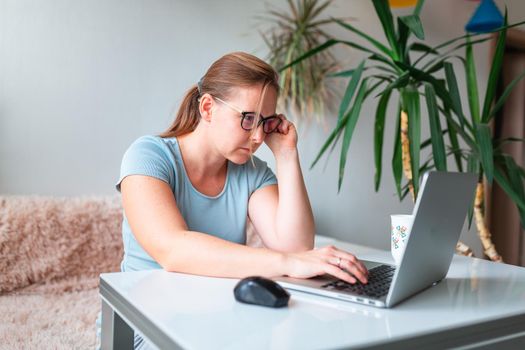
(392, 70)
(306, 90)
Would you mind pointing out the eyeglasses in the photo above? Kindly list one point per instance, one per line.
(270, 124)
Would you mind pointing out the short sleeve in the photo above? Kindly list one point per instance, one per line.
(148, 156)
(261, 174)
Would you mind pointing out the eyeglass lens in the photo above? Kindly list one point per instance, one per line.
(269, 124)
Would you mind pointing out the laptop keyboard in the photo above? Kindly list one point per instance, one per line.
(379, 280)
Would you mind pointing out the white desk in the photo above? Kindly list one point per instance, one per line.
(479, 305)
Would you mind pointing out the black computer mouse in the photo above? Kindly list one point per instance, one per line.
(261, 291)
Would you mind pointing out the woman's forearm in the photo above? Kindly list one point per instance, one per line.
(295, 225)
(202, 254)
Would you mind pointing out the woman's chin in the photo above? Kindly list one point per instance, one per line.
(240, 157)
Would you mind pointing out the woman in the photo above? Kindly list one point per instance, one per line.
(187, 193)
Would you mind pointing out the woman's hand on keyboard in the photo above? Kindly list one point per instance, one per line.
(327, 260)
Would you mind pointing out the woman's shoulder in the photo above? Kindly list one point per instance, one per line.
(153, 143)
(152, 140)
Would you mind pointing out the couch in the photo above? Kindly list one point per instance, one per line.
(52, 251)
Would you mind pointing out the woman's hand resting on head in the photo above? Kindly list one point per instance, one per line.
(282, 139)
(328, 260)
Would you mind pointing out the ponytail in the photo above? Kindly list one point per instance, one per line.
(188, 115)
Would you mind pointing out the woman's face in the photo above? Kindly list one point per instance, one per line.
(230, 139)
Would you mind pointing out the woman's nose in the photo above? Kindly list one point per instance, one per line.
(258, 135)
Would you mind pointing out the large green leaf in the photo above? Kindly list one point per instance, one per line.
(379, 129)
(403, 32)
(387, 22)
(504, 183)
(453, 138)
(372, 88)
(451, 123)
(400, 82)
(428, 142)
(350, 90)
(454, 92)
(367, 37)
(494, 74)
(436, 134)
(505, 95)
(452, 50)
(329, 43)
(472, 83)
(419, 6)
(420, 47)
(498, 143)
(341, 74)
(411, 105)
(329, 140)
(516, 182)
(484, 138)
(456, 39)
(351, 121)
(397, 162)
(414, 24)
(472, 167)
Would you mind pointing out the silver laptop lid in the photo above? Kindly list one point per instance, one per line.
(439, 215)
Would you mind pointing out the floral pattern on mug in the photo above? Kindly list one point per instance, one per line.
(399, 234)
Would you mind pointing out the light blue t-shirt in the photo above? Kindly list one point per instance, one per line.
(222, 216)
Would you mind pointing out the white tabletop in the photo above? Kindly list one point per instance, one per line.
(201, 313)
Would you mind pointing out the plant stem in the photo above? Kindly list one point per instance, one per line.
(484, 234)
(463, 249)
(405, 152)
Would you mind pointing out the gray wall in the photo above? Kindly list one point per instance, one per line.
(80, 80)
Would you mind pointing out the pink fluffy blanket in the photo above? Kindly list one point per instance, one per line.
(55, 245)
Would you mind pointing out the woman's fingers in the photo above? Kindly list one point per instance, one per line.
(285, 125)
(351, 258)
(354, 270)
(337, 272)
(346, 261)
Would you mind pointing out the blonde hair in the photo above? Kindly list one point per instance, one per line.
(234, 70)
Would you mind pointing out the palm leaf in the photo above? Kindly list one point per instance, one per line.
(438, 146)
(367, 37)
(472, 83)
(350, 89)
(454, 92)
(414, 24)
(484, 138)
(504, 183)
(324, 46)
(422, 48)
(385, 16)
(494, 73)
(453, 138)
(505, 95)
(410, 98)
(472, 167)
(516, 183)
(379, 129)
(351, 121)
(397, 162)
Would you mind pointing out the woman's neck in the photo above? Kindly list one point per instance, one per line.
(200, 159)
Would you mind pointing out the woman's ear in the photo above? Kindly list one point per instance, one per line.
(205, 107)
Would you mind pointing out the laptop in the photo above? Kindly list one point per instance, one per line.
(439, 215)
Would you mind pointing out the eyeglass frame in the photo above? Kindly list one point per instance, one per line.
(245, 113)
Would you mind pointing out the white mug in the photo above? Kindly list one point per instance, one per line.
(399, 232)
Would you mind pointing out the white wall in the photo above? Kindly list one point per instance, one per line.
(80, 80)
